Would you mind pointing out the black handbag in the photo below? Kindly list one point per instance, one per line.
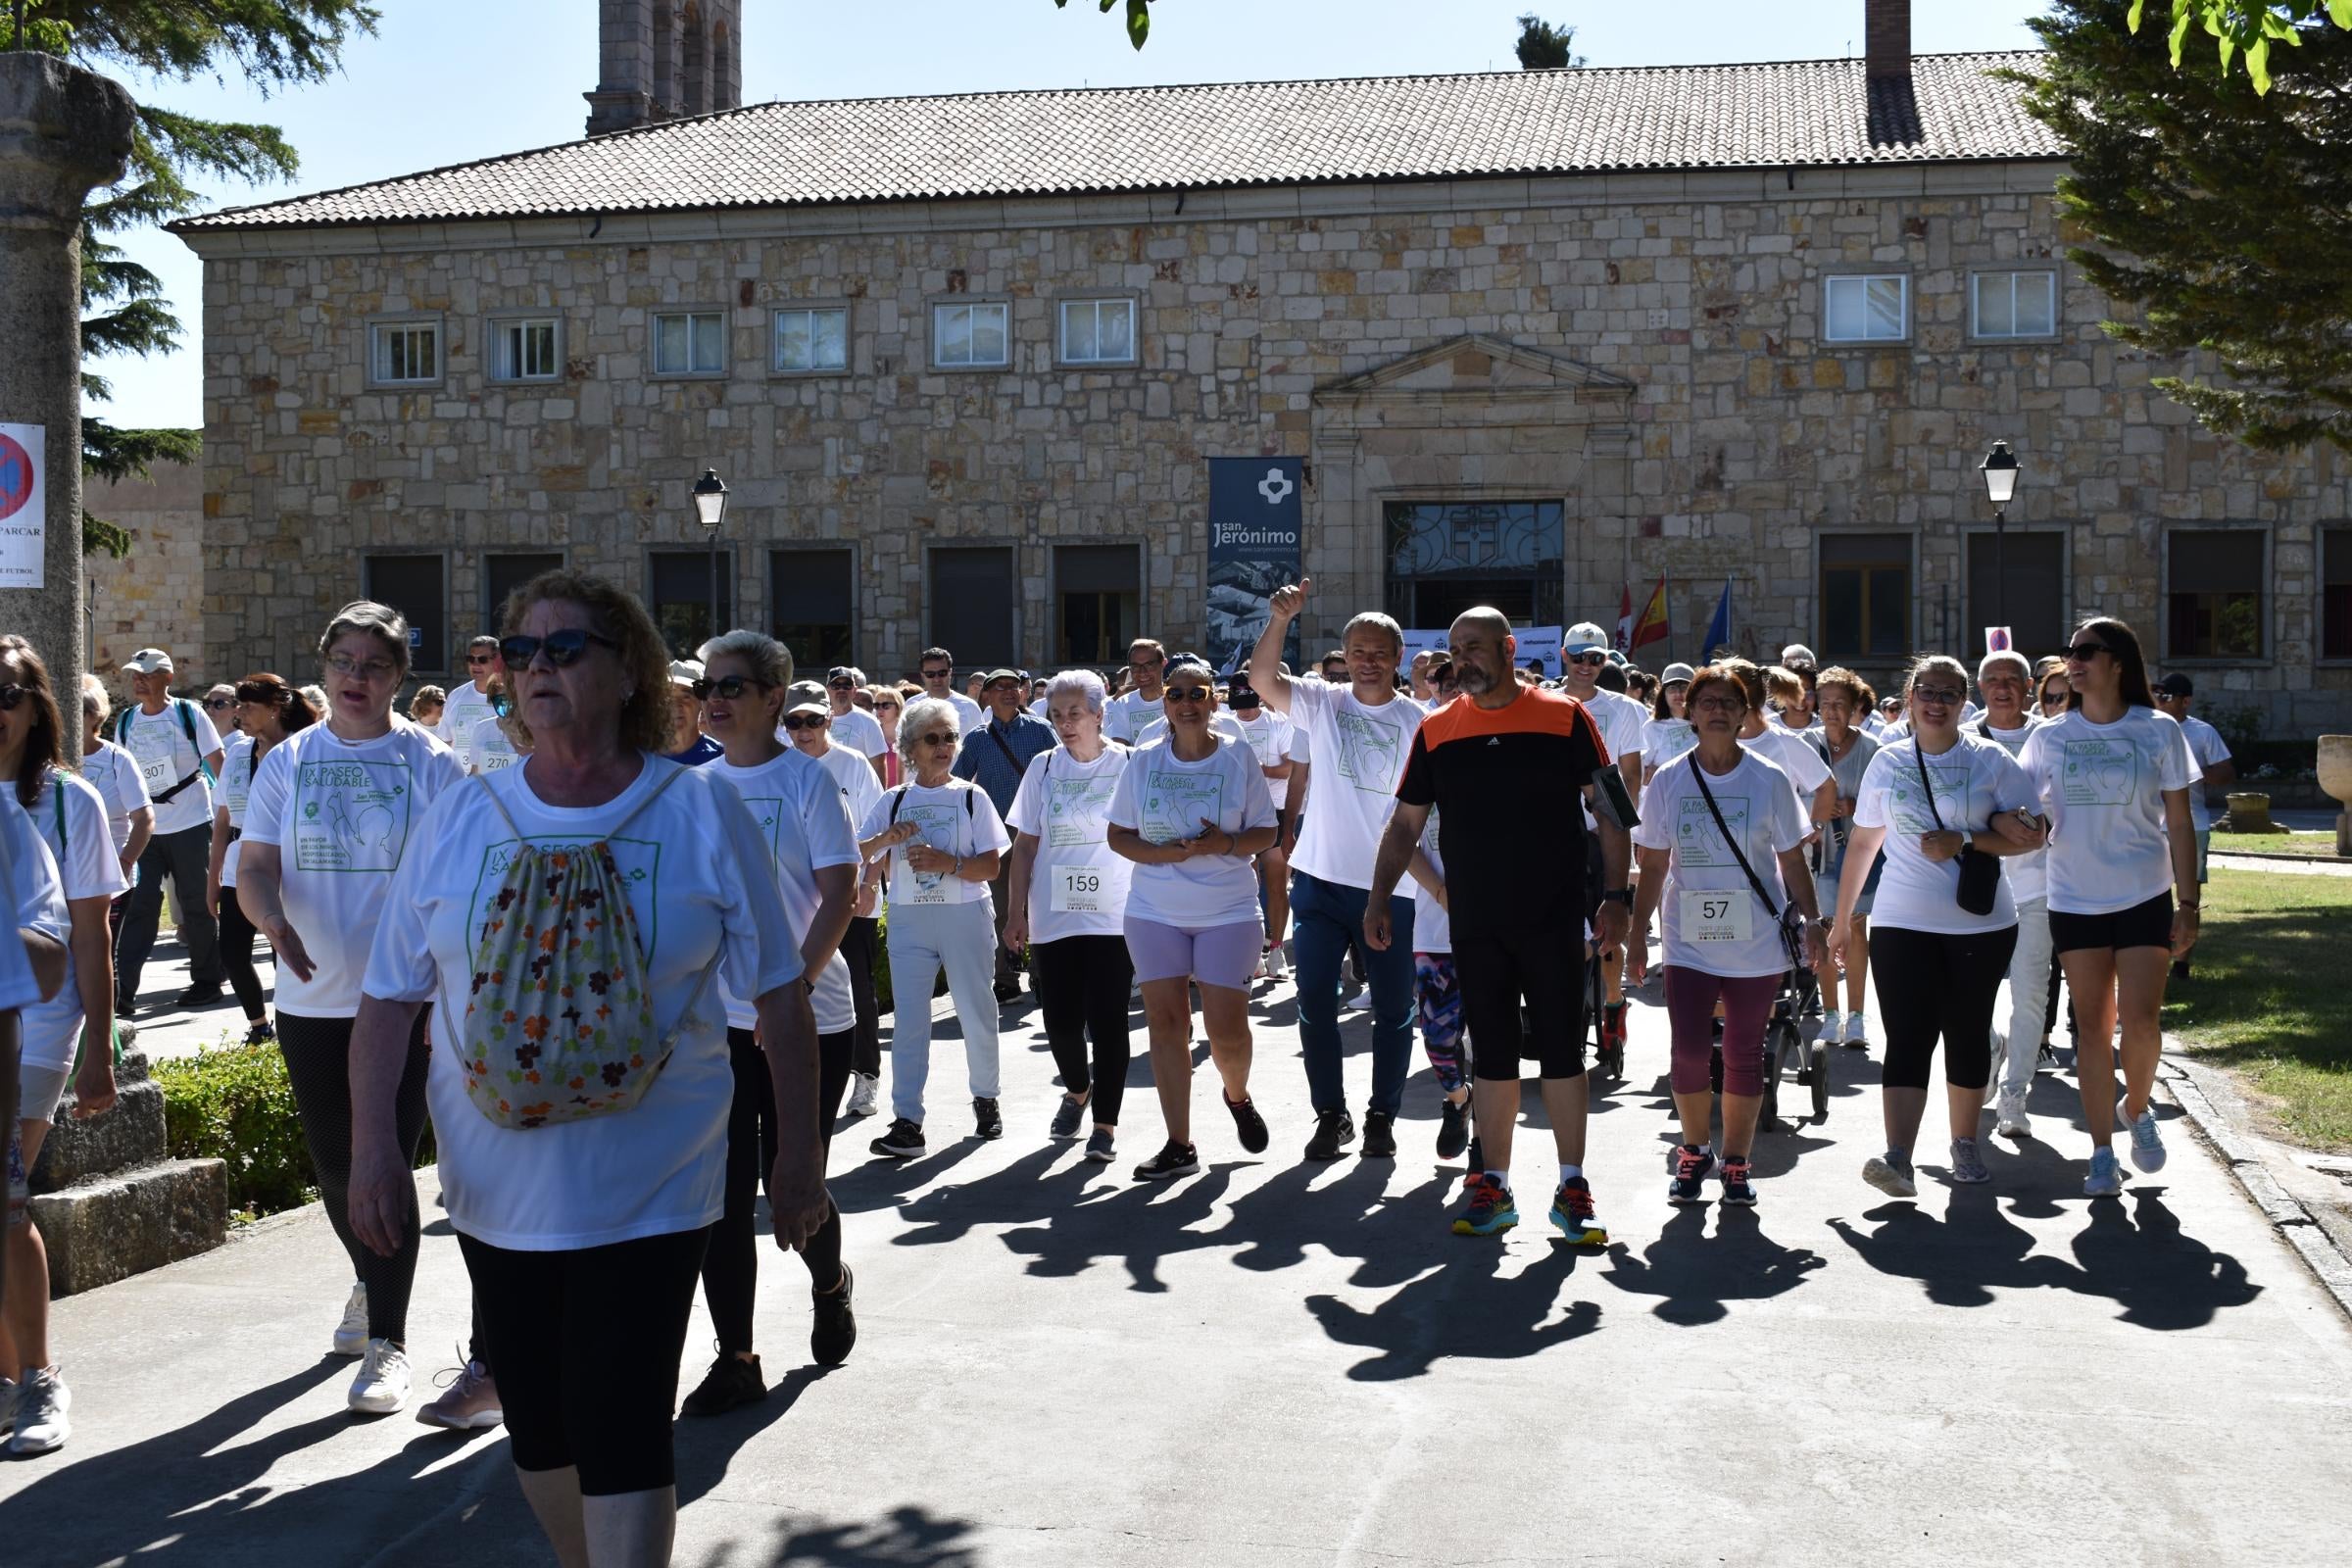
(1979, 873)
(1788, 917)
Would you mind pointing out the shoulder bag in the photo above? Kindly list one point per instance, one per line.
(1979, 873)
(1788, 916)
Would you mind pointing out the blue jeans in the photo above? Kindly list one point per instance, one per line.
(1323, 916)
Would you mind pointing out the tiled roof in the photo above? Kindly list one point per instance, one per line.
(1061, 143)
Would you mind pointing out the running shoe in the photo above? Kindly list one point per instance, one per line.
(1833, 1025)
(731, 1383)
(351, 1334)
(1690, 1168)
(864, 1087)
(1066, 1117)
(1335, 1130)
(2105, 1179)
(382, 1384)
(1246, 1122)
(2147, 1144)
(1572, 1212)
(1489, 1209)
(261, 1032)
(1857, 1029)
(199, 997)
(1275, 967)
(42, 1400)
(469, 1400)
(1453, 1129)
(1967, 1165)
(1361, 1002)
(904, 1140)
(987, 1120)
(1890, 1176)
(2011, 1120)
(1176, 1159)
(1739, 1190)
(1380, 1135)
(1102, 1147)
(835, 1332)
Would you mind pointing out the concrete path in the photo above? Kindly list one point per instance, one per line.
(1278, 1364)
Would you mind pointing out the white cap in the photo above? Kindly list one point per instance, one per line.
(147, 660)
(1586, 638)
(1675, 672)
(685, 671)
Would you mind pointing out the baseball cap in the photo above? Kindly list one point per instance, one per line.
(841, 672)
(1586, 638)
(996, 675)
(147, 660)
(1239, 693)
(1675, 672)
(802, 692)
(2177, 685)
(1617, 658)
(1797, 654)
(824, 710)
(685, 671)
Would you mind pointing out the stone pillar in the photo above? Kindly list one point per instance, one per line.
(63, 132)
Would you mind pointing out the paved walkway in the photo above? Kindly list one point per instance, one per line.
(1287, 1365)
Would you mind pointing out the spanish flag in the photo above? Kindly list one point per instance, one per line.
(1652, 623)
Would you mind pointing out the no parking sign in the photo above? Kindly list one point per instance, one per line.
(23, 506)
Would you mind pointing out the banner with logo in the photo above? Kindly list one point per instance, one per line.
(1537, 644)
(24, 508)
(1256, 518)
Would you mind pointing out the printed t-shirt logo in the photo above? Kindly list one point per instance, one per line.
(2100, 772)
(1176, 803)
(1074, 808)
(1371, 751)
(353, 814)
(1912, 812)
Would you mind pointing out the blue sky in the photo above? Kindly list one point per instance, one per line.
(445, 81)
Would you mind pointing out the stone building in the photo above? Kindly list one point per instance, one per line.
(1535, 337)
(155, 595)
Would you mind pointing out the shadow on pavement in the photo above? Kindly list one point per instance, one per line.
(1693, 1274)
(705, 1445)
(907, 1537)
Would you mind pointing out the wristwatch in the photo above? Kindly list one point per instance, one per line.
(1624, 896)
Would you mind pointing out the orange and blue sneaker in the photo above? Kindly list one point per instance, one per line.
(1489, 1211)
(1691, 1165)
(1572, 1212)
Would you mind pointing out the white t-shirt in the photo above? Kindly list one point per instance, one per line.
(114, 774)
(488, 748)
(969, 713)
(1433, 923)
(1125, 714)
(859, 731)
(2102, 787)
(40, 903)
(1796, 757)
(797, 811)
(460, 718)
(1709, 916)
(87, 868)
(2028, 875)
(853, 776)
(161, 744)
(1270, 736)
(1974, 780)
(1077, 887)
(237, 768)
(343, 816)
(1621, 721)
(1361, 753)
(1164, 798)
(690, 862)
(1662, 741)
(957, 818)
(2206, 745)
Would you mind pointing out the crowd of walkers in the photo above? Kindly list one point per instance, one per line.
(612, 922)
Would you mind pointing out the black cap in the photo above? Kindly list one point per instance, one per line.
(2177, 684)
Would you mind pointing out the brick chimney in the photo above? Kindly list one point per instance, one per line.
(1887, 39)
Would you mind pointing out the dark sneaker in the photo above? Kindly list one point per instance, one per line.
(1453, 1129)
(835, 1330)
(904, 1140)
(730, 1383)
(1009, 994)
(1066, 1117)
(1489, 1209)
(199, 997)
(1478, 1156)
(1572, 1212)
(1177, 1159)
(126, 1008)
(1690, 1168)
(1335, 1130)
(1248, 1123)
(1102, 1147)
(1380, 1135)
(1739, 1191)
(261, 1033)
(987, 1120)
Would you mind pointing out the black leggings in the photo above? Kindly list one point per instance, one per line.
(1082, 990)
(586, 1347)
(317, 1052)
(236, 956)
(1932, 984)
(731, 1265)
(859, 947)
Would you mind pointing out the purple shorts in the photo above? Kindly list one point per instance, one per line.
(1213, 955)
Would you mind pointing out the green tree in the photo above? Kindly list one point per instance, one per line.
(1139, 18)
(276, 43)
(1544, 47)
(2222, 216)
(2247, 29)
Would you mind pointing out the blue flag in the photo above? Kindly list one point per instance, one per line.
(1719, 629)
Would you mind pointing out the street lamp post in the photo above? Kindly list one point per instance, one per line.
(2000, 468)
(711, 505)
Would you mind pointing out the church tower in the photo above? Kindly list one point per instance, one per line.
(663, 60)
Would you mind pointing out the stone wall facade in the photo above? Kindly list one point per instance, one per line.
(153, 597)
(1647, 350)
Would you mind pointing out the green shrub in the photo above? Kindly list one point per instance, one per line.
(882, 965)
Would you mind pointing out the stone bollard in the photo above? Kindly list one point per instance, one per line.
(110, 1204)
(2336, 777)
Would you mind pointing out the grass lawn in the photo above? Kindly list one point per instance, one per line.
(2318, 844)
(2271, 996)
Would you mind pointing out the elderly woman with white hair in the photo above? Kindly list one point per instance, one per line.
(941, 837)
(1069, 907)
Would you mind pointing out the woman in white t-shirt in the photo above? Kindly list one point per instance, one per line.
(332, 812)
(1669, 732)
(941, 839)
(1840, 698)
(1934, 800)
(584, 1238)
(1270, 736)
(114, 774)
(798, 808)
(1191, 811)
(268, 712)
(2114, 776)
(1816, 790)
(1712, 818)
(1069, 905)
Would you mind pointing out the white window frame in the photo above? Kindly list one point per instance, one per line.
(501, 325)
(938, 333)
(2007, 276)
(1863, 280)
(1095, 303)
(775, 338)
(690, 371)
(381, 333)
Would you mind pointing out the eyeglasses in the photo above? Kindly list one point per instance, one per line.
(562, 648)
(939, 737)
(1189, 694)
(1587, 658)
(2078, 653)
(10, 695)
(478, 659)
(1941, 696)
(371, 669)
(219, 703)
(886, 708)
(802, 722)
(1720, 705)
(2052, 699)
(937, 674)
(1149, 661)
(729, 687)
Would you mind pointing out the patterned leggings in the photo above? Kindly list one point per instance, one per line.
(1441, 1002)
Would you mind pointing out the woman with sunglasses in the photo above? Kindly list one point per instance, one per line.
(888, 703)
(1191, 811)
(2114, 775)
(941, 837)
(268, 712)
(1934, 800)
(2052, 691)
(221, 707)
(331, 814)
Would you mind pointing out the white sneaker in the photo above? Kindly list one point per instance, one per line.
(1260, 973)
(1361, 1002)
(8, 1403)
(382, 1386)
(862, 1088)
(2011, 1120)
(351, 1334)
(42, 1400)
(1275, 967)
(2147, 1144)
(1857, 1029)
(1832, 1022)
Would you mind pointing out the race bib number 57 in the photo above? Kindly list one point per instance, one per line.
(1710, 917)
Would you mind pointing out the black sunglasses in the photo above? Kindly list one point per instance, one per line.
(804, 721)
(2081, 651)
(729, 687)
(10, 695)
(938, 737)
(219, 701)
(937, 674)
(562, 648)
(477, 658)
(1587, 658)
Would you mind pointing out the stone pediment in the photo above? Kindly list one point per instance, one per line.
(1476, 368)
